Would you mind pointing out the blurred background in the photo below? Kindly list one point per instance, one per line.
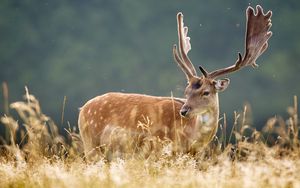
(81, 49)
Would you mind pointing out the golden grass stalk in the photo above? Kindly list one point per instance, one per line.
(43, 158)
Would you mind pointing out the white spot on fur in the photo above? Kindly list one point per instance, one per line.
(91, 122)
(95, 112)
(105, 102)
(89, 111)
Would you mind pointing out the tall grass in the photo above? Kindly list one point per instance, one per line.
(37, 155)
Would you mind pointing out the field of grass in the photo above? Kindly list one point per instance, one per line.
(36, 155)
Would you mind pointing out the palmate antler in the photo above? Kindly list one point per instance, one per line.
(257, 36)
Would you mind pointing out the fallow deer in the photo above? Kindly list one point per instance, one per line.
(196, 115)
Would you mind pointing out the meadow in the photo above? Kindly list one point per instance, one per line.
(37, 155)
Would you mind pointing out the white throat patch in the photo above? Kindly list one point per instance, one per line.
(205, 122)
(205, 118)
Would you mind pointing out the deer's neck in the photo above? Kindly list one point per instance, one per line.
(206, 124)
(210, 116)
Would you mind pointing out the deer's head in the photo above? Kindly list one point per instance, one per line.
(202, 91)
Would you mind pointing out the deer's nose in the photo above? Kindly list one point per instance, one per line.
(184, 111)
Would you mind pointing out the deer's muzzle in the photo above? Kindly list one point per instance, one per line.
(184, 111)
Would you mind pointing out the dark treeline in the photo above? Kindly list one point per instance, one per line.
(80, 49)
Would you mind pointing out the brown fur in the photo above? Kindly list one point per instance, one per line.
(128, 111)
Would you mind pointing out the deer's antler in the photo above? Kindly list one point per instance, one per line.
(257, 36)
(184, 47)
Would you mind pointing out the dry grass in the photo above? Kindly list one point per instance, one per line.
(41, 157)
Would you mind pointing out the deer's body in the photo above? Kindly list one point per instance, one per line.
(190, 120)
(99, 116)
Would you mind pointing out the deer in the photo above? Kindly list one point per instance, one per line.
(196, 115)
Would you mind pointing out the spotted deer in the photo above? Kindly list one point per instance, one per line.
(196, 115)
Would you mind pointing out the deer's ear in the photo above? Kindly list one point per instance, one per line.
(222, 84)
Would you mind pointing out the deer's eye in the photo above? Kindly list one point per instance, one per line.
(206, 93)
(196, 85)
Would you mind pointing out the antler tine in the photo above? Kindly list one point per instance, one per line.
(184, 44)
(182, 65)
(256, 40)
(204, 72)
